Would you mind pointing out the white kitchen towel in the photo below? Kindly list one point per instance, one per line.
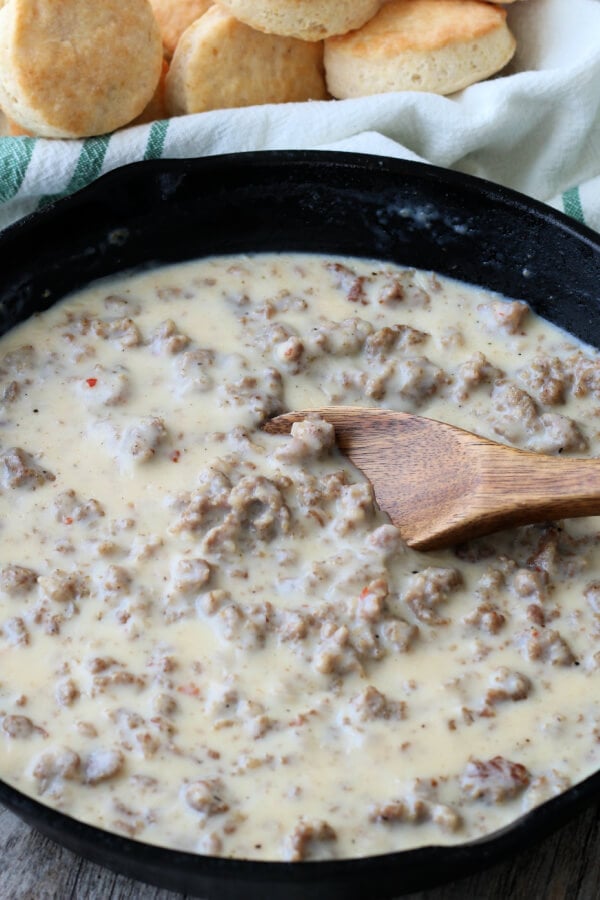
(535, 128)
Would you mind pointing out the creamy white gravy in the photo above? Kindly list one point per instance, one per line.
(210, 638)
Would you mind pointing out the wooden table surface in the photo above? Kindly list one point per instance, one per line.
(564, 867)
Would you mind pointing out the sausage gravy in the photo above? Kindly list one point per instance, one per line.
(210, 638)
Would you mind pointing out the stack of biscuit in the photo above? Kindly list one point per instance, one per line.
(82, 69)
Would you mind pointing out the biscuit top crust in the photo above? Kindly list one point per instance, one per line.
(423, 25)
(83, 68)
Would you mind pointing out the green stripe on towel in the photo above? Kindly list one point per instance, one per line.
(88, 167)
(156, 140)
(15, 155)
(572, 204)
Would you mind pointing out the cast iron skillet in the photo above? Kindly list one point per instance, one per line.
(161, 212)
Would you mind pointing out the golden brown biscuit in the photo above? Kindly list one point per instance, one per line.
(157, 108)
(221, 63)
(12, 129)
(420, 45)
(174, 16)
(77, 68)
(308, 20)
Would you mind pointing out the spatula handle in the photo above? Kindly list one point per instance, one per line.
(553, 487)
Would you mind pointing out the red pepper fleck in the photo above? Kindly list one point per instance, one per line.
(68, 520)
(191, 689)
(175, 455)
(91, 382)
(364, 593)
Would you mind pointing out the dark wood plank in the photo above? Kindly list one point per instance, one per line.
(564, 867)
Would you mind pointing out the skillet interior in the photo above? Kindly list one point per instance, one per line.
(166, 211)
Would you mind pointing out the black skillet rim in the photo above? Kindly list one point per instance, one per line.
(379, 876)
(166, 180)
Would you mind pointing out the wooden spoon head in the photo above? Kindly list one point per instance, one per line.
(441, 485)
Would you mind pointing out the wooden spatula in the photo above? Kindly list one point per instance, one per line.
(441, 485)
